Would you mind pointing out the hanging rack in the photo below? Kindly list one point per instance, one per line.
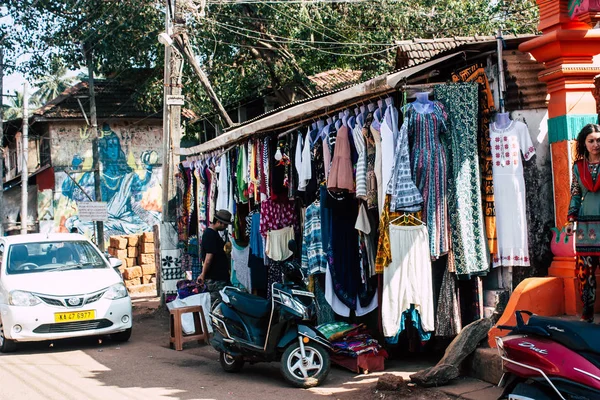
(405, 219)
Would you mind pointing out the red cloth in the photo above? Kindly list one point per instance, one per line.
(364, 362)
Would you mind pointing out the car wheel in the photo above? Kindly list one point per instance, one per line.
(121, 336)
(305, 372)
(230, 363)
(6, 345)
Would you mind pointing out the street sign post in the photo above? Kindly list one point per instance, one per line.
(175, 99)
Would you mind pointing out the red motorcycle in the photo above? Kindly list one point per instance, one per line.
(550, 358)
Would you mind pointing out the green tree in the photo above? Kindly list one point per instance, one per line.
(248, 47)
(54, 83)
(14, 109)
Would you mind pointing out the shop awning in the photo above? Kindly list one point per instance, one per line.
(378, 85)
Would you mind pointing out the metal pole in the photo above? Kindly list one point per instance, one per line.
(1, 141)
(501, 82)
(94, 134)
(166, 125)
(24, 160)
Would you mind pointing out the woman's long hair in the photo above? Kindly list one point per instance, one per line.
(583, 134)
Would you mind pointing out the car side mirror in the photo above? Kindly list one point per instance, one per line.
(115, 262)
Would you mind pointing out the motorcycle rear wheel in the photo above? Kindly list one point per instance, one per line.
(230, 363)
(308, 372)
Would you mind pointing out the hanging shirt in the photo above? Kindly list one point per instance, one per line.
(306, 170)
(223, 185)
(389, 134)
(314, 259)
(276, 215)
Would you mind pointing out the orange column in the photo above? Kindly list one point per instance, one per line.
(568, 49)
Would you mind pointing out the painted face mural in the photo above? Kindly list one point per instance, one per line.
(129, 185)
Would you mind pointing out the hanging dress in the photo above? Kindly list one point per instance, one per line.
(464, 179)
(429, 169)
(341, 174)
(389, 135)
(375, 127)
(509, 192)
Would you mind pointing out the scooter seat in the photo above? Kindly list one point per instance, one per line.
(576, 335)
(249, 304)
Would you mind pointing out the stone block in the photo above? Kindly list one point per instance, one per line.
(146, 259)
(130, 262)
(132, 282)
(147, 248)
(111, 251)
(118, 242)
(484, 364)
(133, 240)
(121, 254)
(132, 252)
(142, 288)
(493, 298)
(149, 269)
(132, 273)
(146, 279)
(148, 237)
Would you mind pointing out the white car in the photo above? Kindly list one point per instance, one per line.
(59, 286)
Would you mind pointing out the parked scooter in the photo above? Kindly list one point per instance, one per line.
(550, 358)
(251, 328)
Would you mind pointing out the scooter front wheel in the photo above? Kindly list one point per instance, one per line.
(230, 363)
(308, 371)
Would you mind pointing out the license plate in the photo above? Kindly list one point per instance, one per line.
(74, 316)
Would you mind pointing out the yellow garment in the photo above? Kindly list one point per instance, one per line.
(384, 250)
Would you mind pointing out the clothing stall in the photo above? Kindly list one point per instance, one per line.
(399, 203)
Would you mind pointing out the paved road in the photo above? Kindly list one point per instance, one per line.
(145, 368)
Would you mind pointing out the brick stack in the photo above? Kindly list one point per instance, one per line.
(139, 264)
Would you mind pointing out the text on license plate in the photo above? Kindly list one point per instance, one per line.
(74, 316)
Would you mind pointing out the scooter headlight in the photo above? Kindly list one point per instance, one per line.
(295, 305)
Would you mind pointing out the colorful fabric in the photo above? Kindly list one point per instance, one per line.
(405, 195)
(384, 250)
(276, 215)
(371, 196)
(586, 274)
(509, 192)
(333, 330)
(464, 185)
(585, 208)
(430, 171)
(314, 258)
(476, 73)
(242, 175)
(239, 261)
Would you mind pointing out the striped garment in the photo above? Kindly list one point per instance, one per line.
(429, 171)
(361, 164)
(314, 259)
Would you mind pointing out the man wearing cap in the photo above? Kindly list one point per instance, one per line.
(215, 263)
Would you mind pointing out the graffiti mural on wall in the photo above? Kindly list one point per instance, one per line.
(130, 186)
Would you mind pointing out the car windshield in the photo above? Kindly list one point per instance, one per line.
(52, 256)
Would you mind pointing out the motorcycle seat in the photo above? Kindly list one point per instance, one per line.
(576, 335)
(249, 304)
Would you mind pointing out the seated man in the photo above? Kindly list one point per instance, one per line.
(63, 255)
(18, 256)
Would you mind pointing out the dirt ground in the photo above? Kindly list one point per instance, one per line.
(146, 368)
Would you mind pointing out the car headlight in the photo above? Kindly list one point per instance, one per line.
(116, 291)
(21, 298)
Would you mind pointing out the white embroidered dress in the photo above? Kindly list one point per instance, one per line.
(509, 192)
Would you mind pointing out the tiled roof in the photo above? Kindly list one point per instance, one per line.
(334, 79)
(415, 51)
(114, 99)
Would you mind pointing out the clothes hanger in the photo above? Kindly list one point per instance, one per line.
(405, 220)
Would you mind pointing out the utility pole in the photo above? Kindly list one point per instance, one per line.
(94, 134)
(166, 125)
(1, 141)
(501, 83)
(24, 160)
